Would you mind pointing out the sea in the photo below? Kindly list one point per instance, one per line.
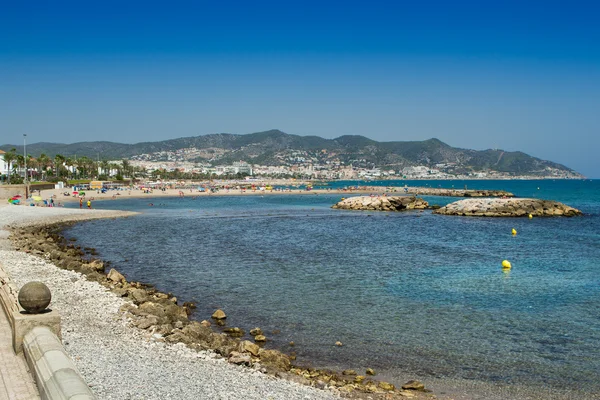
(412, 295)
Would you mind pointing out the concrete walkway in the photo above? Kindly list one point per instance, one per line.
(16, 383)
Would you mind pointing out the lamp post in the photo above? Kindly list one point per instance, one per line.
(25, 164)
(25, 157)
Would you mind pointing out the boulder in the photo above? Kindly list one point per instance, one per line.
(413, 385)
(115, 276)
(219, 314)
(240, 359)
(247, 346)
(274, 360)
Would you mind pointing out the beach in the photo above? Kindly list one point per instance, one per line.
(123, 362)
(100, 335)
(120, 361)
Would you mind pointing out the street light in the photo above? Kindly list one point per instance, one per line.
(25, 155)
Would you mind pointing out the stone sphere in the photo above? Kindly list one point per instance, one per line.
(34, 297)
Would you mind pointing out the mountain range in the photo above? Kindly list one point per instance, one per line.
(275, 147)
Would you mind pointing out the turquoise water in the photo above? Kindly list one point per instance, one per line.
(407, 292)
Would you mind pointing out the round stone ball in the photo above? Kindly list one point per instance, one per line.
(34, 297)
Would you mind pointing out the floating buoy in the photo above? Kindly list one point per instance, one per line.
(530, 216)
(506, 264)
(514, 232)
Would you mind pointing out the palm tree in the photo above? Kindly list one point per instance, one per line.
(44, 162)
(58, 162)
(9, 157)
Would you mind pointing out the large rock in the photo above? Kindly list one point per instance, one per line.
(382, 203)
(508, 208)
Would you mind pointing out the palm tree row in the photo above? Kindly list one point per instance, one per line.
(45, 168)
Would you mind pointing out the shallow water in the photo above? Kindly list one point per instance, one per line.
(406, 292)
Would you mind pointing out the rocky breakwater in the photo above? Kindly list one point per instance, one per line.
(382, 203)
(508, 208)
(423, 191)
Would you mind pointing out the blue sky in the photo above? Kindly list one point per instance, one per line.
(516, 75)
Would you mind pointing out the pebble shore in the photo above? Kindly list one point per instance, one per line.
(119, 361)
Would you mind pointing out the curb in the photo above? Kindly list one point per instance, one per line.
(37, 335)
(55, 373)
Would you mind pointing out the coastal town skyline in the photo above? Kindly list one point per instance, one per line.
(520, 77)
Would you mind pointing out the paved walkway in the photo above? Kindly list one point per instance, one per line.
(16, 383)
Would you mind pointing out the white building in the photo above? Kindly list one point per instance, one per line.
(4, 167)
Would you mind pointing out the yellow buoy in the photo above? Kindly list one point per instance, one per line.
(530, 216)
(506, 264)
(514, 231)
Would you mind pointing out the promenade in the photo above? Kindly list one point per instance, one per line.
(16, 383)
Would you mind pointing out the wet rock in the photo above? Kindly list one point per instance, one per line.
(260, 338)
(256, 331)
(348, 372)
(370, 371)
(386, 386)
(234, 332)
(219, 314)
(413, 385)
(205, 323)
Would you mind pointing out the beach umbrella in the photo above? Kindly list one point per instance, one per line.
(75, 193)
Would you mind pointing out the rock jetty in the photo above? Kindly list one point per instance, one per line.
(459, 192)
(382, 203)
(508, 208)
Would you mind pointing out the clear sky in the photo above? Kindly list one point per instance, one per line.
(516, 75)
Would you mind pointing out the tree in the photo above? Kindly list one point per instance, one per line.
(44, 162)
(9, 158)
(58, 162)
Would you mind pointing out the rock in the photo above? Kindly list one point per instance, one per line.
(293, 378)
(205, 323)
(256, 331)
(240, 359)
(247, 346)
(383, 203)
(348, 372)
(507, 208)
(219, 314)
(359, 378)
(370, 371)
(234, 332)
(147, 322)
(413, 385)
(338, 343)
(115, 276)
(260, 338)
(386, 386)
(139, 296)
(274, 360)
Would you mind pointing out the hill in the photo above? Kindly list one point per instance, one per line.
(274, 147)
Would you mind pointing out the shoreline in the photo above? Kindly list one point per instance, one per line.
(450, 388)
(323, 390)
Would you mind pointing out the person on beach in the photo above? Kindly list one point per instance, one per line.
(80, 202)
(89, 204)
